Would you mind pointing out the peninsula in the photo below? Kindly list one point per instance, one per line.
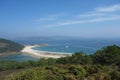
(8, 47)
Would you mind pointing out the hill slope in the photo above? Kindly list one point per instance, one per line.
(104, 64)
(8, 46)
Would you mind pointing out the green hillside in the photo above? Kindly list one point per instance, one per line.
(104, 64)
(8, 46)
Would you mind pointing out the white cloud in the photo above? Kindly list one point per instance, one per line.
(105, 19)
(101, 11)
(50, 17)
(84, 21)
(97, 15)
(109, 8)
(91, 15)
(46, 19)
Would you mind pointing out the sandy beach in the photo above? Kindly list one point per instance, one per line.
(42, 54)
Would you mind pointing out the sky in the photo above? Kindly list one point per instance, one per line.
(75, 18)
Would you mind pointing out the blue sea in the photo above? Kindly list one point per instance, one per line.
(65, 45)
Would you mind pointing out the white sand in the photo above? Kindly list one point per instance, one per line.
(43, 54)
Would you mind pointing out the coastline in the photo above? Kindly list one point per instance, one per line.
(8, 54)
(42, 54)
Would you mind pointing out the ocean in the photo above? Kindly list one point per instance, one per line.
(67, 45)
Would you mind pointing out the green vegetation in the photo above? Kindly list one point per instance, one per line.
(103, 65)
(107, 56)
(7, 46)
(64, 72)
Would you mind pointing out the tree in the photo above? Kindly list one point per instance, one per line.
(108, 55)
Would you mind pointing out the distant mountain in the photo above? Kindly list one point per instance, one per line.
(8, 47)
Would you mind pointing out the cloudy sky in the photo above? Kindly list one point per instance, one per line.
(76, 18)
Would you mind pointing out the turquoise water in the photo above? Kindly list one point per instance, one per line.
(89, 46)
(18, 57)
(72, 46)
(66, 48)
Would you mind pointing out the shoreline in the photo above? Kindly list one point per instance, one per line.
(42, 54)
(8, 54)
